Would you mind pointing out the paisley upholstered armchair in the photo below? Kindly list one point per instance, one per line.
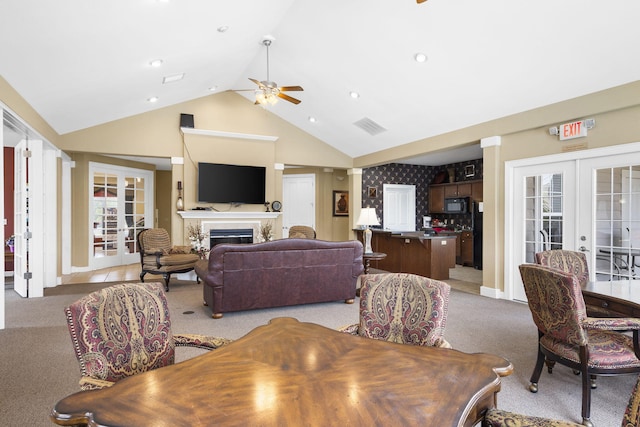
(403, 308)
(124, 330)
(500, 418)
(590, 346)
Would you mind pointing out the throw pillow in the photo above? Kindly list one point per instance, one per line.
(180, 250)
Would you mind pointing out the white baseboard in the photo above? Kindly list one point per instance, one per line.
(494, 293)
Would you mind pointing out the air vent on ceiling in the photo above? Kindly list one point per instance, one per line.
(369, 126)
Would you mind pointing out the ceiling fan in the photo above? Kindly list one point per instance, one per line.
(421, 1)
(268, 92)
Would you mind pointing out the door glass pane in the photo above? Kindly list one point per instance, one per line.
(134, 212)
(617, 223)
(105, 215)
(543, 214)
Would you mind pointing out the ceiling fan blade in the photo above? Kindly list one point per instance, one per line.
(288, 98)
(421, 1)
(256, 82)
(290, 88)
(243, 90)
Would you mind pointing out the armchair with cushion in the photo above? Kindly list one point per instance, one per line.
(124, 330)
(588, 345)
(402, 308)
(157, 256)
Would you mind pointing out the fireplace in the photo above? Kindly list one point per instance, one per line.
(237, 235)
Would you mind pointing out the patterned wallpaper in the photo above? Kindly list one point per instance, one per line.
(420, 176)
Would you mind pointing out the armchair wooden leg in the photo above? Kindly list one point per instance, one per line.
(167, 277)
(142, 276)
(537, 370)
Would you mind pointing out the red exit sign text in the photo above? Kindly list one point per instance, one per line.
(573, 130)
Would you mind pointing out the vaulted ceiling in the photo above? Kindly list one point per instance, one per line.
(81, 63)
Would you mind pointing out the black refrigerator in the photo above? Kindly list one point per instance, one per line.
(476, 226)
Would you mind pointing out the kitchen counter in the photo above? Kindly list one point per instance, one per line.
(414, 252)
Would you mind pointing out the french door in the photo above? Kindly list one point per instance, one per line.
(588, 203)
(610, 216)
(544, 209)
(121, 206)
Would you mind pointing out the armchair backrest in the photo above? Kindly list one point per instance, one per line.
(302, 230)
(567, 261)
(556, 303)
(154, 239)
(121, 330)
(403, 308)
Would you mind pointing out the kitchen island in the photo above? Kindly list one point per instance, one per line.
(414, 252)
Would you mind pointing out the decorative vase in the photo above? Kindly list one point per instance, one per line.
(342, 204)
(452, 174)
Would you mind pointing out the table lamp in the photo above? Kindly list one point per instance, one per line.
(367, 217)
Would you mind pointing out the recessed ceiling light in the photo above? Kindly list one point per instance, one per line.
(354, 95)
(223, 28)
(174, 78)
(312, 119)
(213, 88)
(153, 99)
(156, 62)
(420, 57)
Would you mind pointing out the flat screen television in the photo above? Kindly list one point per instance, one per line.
(219, 183)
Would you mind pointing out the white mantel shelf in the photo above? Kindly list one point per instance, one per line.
(197, 214)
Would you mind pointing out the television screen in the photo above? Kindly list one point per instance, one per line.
(218, 183)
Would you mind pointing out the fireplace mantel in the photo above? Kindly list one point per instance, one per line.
(197, 214)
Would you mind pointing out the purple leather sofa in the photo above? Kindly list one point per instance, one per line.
(284, 272)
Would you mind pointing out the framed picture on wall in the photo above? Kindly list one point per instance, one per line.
(373, 192)
(469, 171)
(340, 203)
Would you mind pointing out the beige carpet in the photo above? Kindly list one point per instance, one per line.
(39, 368)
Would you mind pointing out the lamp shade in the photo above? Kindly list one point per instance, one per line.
(368, 217)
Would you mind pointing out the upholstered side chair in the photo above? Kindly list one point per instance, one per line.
(500, 418)
(302, 232)
(403, 308)
(124, 330)
(158, 256)
(588, 345)
(567, 261)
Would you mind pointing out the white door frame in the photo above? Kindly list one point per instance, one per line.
(510, 263)
(298, 209)
(399, 207)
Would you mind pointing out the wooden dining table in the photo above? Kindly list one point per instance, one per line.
(612, 298)
(293, 373)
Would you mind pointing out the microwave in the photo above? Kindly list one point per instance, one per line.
(456, 205)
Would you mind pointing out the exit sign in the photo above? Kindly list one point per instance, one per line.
(573, 130)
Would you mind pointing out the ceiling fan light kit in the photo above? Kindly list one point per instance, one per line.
(268, 92)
